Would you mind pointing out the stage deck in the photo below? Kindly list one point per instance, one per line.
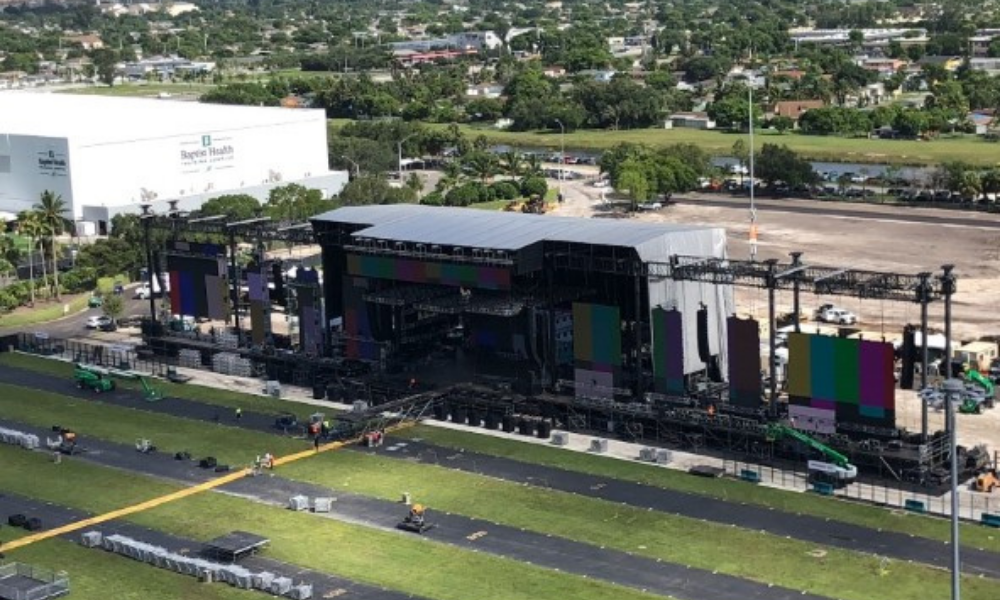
(235, 545)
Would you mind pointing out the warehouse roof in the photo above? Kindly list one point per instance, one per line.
(496, 230)
(97, 119)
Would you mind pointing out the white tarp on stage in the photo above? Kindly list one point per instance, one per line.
(688, 296)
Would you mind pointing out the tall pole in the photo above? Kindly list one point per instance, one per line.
(924, 297)
(562, 155)
(236, 287)
(796, 288)
(753, 206)
(947, 289)
(954, 388)
(147, 224)
(772, 342)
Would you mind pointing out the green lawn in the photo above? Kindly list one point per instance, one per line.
(141, 90)
(208, 395)
(406, 563)
(821, 148)
(629, 529)
(974, 536)
(123, 425)
(24, 317)
(99, 575)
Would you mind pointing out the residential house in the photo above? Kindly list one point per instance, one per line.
(948, 63)
(554, 71)
(794, 109)
(484, 90)
(689, 120)
(883, 66)
(989, 65)
(982, 120)
(88, 41)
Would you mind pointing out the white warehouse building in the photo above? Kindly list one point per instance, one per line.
(110, 155)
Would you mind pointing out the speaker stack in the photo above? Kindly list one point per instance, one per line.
(908, 355)
(544, 430)
(473, 418)
(458, 414)
(526, 427)
(509, 423)
(492, 421)
(441, 411)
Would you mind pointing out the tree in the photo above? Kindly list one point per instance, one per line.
(113, 307)
(482, 164)
(782, 123)
(236, 207)
(294, 202)
(990, 184)
(780, 163)
(374, 189)
(510, 163)
(51, 209)
(632, 178)
(30, 225)
(742, 156)
(105, 62)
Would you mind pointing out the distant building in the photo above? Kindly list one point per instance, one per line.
(794, 109)
(470, 40)
(165, 67)
(409, 58)
(948, 63)
(689, 120)
(88, 41)
(989, 65)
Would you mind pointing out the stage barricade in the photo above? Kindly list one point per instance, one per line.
(234, 575)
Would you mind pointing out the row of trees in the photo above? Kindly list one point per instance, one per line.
(644, 172)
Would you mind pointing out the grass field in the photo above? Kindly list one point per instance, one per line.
(819, 148)
(974, 536)
(411, 564)
(144, 90)
(585, 519)
(208, 395)
(624, 528)
(123, 425)
(97, 574)
(24, 316)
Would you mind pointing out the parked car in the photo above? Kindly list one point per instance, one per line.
(119, 288)
(839, 316)
(108, 325)
(142, 292)
(95, 301)
(97, 322)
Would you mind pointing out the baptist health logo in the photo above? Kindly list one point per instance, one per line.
(206, 141)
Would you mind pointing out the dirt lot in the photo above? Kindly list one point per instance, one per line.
(879, 243)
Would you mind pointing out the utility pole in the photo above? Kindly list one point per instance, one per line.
(147, 223)
(562, 155)
(753, 182)
(953, 389)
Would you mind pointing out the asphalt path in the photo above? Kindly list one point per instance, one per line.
(324, 584)
(803, 527)
(836, 209)
(542, 550)
(798, 526)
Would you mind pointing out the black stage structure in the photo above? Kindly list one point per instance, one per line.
(514, 320)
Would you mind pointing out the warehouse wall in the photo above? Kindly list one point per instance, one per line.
(131, 172)
(30, 165)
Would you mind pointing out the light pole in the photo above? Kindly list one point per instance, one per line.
(399, 154)
(953, 389)
(354, 164)
(147, 221)
(562, 155)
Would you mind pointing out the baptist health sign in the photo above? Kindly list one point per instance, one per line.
(208, 153)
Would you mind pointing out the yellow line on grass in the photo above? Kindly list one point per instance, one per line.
(178, 495)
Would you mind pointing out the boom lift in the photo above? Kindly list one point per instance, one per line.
(839, 466)
(100, 380)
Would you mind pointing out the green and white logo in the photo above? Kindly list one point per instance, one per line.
(206, 141)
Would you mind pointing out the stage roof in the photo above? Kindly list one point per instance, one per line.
(497, 230)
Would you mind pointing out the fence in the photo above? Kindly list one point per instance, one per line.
(49, 584)
(972, 506)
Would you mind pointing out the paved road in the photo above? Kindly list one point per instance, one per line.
(324, 584)
(804, 527)
(73, 326)
(899, 214)
(565, 555)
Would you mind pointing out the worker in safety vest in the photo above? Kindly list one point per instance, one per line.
(239, 413)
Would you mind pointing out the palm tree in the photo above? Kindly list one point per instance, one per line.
(31, 227)
(451, 176)
(510, 163)
(532, 165)
(990, 184)
(482, 163)
(51, 210)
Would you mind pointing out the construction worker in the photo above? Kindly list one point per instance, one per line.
(239, 413)
(413, 383)
(316, 443)
(326, 427)
(711, 411)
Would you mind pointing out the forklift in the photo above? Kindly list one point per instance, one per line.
(93, 378)
(987, 481)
